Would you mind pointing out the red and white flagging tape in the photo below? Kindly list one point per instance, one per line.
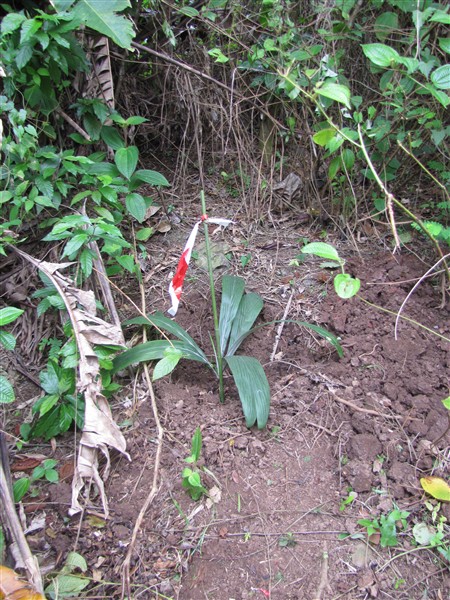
(176, 285)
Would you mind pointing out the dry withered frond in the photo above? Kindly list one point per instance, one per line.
(100, 431)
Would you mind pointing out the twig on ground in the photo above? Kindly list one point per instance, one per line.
(430, 270)
(368, 411)
(73, 124)
(281, 326)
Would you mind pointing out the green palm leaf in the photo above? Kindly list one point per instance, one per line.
(249, 308)
(253, 388)
(162, 322)
(153, 350)
(232, 290)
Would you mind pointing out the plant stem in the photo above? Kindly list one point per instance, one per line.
(218, 351)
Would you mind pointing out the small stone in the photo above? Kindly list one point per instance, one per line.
(241, 442)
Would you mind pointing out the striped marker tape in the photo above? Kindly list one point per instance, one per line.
(176, 285)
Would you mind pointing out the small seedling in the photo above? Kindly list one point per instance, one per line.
(348, 500)
(45, 470)
(345, 285)
(275, 430)
(287, 541)
(245, 259)
(386, 526)
(192, 482)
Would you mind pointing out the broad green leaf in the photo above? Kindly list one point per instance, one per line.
(441, 77)
(47, 403)
(151, 177)
(253, 389)
(6, 391)
(102, 169)
(74, 244)
(76, 561)
(9, 314)
(346, 286)
(194, 479)
(102, 17)
(334, 167)
(385, 24)
(12, 22)
(446, 402)
(189, 11)
(381, 55)
(323, 250)
(24, 55)
(323, 136)
(20, 488)
(66, 586)
(444, 44)
(136, 206)
(218, 55)
(127, 262)
(7, 340)
(160, 321)
(249, 308)
(335, 91)
(126, 160)
(334, 144)
(49, 379)
(232, 291)
(348, 158)
(86, 261)
(441, 16)
(436, 487)
(112, 137)
(167, 364)
(5, 196)
(144, 234)
(28, 29)
(134, 120)
(412, 64)
(440, 95)
(196, 446)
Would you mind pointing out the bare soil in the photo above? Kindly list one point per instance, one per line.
(371, 422)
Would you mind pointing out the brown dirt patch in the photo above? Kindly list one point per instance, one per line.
(365, 422)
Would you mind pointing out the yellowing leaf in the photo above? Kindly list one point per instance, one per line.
(436, 487)
(14, 588)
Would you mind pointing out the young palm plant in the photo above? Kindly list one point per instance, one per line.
(238, 313)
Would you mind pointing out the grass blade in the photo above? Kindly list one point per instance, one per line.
(232, 290)
(253, 388)
(249, 309)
